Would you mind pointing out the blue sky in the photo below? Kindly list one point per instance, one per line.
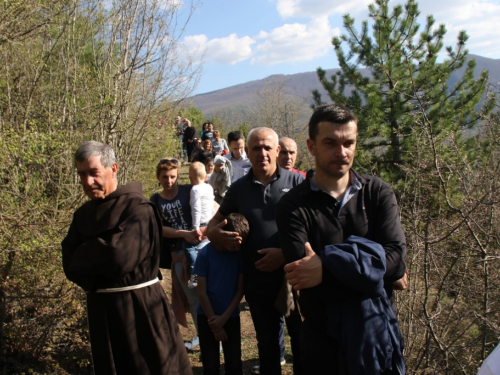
(237, 41)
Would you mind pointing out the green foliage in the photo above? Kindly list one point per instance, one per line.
(404, 83)
(33, 180)
(193, 114)
(68, 75)
(412, 133)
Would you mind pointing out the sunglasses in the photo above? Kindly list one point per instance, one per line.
(167, 161)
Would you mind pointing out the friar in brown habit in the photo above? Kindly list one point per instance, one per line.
(112, 251)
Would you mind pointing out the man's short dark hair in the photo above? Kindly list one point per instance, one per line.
(334, 113)
(237, 223)
(234, 136)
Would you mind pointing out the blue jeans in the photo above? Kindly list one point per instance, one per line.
(282, 341)
(191, 255)
(210, 355)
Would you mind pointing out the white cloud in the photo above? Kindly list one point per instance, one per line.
(320, 8)
(196, 46)
(294, 42)
(288, 43)
(300, 42)
(228, 50)
(479, 18)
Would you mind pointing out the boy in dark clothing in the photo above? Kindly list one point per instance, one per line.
(220, 289)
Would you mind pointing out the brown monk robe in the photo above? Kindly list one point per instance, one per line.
(113, 243)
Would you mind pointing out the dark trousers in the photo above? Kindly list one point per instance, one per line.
(268, 321)
(320, 352)
(210, 355)
(294, 325)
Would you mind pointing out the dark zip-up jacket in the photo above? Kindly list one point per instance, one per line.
(306, 215)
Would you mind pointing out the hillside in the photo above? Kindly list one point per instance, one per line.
(240, 98)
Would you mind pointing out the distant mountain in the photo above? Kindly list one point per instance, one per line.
(240, 98)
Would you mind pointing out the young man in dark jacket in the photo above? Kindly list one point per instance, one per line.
(332, 204)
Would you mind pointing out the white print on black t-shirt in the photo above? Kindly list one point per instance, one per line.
(173, 212)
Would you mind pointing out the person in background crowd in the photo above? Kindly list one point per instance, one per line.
(203, 129)
(220, 144)
(255, 196)
(112, 251)
(238, 158)
(288, 155)
(209, 168)
(189, 136)
(221, 177)
(208, 148)
(179, 127)
(173, 204)
(348, 324)
(209, 134)
(196, 150)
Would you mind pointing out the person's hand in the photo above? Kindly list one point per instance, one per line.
(306, 272)
(272, 260)
(203, 232)
(216, 323)
(402, 283)
(220, 335)
(192, 237)
(229, 241)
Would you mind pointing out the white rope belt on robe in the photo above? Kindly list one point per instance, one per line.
(125, 288)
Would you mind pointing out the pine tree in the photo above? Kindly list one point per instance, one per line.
(403, 80)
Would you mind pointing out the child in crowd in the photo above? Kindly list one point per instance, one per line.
(202, 210)
(221, 178)
(220, 289)
(209, 167)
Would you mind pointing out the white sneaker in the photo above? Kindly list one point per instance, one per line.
(194, 343)
(193, 282)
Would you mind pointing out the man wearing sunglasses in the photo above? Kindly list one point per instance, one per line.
(112, 251)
